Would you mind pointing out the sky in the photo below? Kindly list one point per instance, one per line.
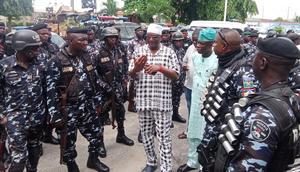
(268, 9)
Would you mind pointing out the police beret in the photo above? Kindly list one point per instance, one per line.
(2, 24)
(293, 36)
(39, 26)
(77, 30)
(282, 47)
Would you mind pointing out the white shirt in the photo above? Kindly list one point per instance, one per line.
(187, 60)
(154, 92)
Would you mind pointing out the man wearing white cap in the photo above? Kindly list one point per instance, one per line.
(154, 66)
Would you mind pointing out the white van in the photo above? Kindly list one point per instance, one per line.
(217, 25)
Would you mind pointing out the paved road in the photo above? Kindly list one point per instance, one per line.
(120, 158)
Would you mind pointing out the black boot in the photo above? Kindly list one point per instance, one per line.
(140, 139)
(16, 167)
(102, 150)
(94, 163)
(176, 116)
(121, 137)
(48, 137)
(72, 167)
(33, 158)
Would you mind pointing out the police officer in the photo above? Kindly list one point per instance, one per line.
(270, 121)
(234, 79)
(187, 41)
(112, 66)
(46, 51)
(166, 37)
(177, 85)
(250, 47)
(93, 44)
(133, 45)
(71, 83)
(23, 103)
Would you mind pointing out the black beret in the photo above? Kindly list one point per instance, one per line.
(293, 36)
(77, 30)
(281, 47)
(2, 24)
(39, 26)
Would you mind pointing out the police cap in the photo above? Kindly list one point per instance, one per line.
(39, 26)
(281, 47)
(77, 30)
(253, 33)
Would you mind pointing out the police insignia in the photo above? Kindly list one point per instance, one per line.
(259, 130)
(67, 69)
(89, 67)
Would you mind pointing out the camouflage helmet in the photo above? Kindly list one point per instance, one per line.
(25, 38)
(177, 36)
(109, 31)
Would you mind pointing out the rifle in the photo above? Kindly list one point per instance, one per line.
(63, 109)
(109, 78)
(3, 136)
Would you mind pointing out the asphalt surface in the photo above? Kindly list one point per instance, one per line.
(120, 158)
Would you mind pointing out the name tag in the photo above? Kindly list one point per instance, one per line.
(67, 69)
(89, 67)
(105, 59)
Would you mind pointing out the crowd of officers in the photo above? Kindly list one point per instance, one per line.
(44, 87)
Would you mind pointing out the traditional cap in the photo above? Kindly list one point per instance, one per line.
(293, 36)
(77, 30)
(207, 35)
(39, 26)
(282, 47)
(155, 28)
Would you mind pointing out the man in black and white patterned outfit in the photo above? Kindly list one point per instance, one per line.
(154, 66)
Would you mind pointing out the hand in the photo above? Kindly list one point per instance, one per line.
(98, 110)
(125, 82)
(58, 123)
(3, 121)
(185, 67)
(139, 63)
(151, 69)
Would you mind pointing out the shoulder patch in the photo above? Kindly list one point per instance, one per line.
(259, 130)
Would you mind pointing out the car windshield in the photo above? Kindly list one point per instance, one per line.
(127, 30)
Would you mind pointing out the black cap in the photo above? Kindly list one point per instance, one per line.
(2, 24)
(39, 26)
(77, 30)
(293, 36)
(183, 30)
(281, 47)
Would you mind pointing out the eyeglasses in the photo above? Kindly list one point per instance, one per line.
(223, 37)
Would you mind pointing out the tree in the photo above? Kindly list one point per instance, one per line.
(15, 8)
(111, 7)
(297, 19)
(188, 10)
(145, 9)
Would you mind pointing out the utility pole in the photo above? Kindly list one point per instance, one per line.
(225, 10)
(72, 5)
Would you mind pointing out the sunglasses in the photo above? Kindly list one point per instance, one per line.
(223, 37)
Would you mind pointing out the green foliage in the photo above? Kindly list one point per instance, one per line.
(15, 8)
(297, 19)
(279, 19)
(111, 7)
(279, 29)
(145, 9)
(189, 10)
